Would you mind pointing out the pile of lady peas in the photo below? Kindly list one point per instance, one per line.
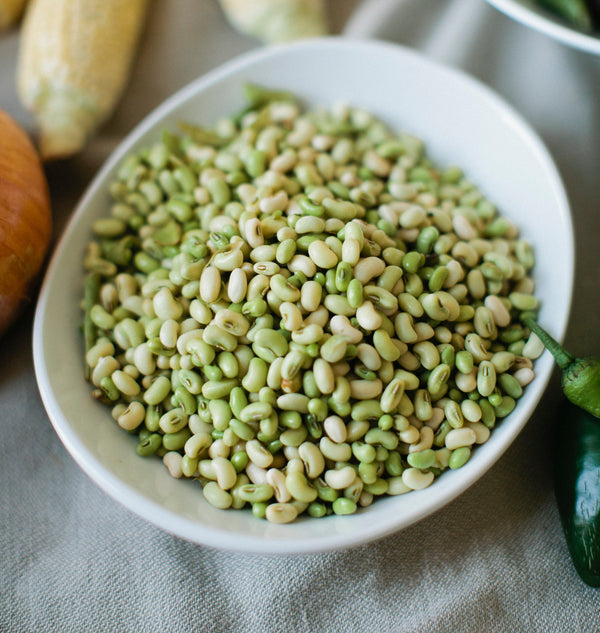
(303, 313)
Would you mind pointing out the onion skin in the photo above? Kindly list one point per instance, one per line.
(25, 219)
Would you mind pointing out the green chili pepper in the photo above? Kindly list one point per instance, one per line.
(577, 488)
(577, 457)
(580, 377)
(574, 11)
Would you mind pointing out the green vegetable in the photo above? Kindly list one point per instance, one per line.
(577, 459)
(574, 11)
(577, 488)
(581, 376)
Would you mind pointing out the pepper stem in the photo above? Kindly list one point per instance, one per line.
(561, 356)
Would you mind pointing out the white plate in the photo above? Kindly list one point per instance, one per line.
(536, 17)
(463, 123)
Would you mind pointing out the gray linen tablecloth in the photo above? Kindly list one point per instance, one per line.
(73, 560)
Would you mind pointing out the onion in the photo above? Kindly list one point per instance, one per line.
(25, 219)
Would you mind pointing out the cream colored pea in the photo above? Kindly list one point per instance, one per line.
(225, 472)
(456, 438)
(257, 286)
(463, 228)
(256, 474)
(168, 333)
(232, 322)
(322, 255)
(319, 317)
(210, 284)
(253, 232)
(237, 285)
(200, 312)
(309, 224)
(341, 325)
(442, 457)
(466, 382)
(172, 460)
(365, 389)
(396, 486)
(412, 217)
(425, 440)
(427, 353)
(368, 268)
(308, 334)
(368, 317)
(524, 376)
(274, 374)
(293, 402)
(368, 356)
(456, 273)
(165, 305)
(416, 479)
(333, 451)
(197, 443)
(302, 264)
(534, 347)
(132, 417)
(276, 479)
(310, 295)
(104, 367)
(102, 348)
(281, 513)
(335, 428)
(218, 448)
(499, 311)
(276, 202)
(258, 454)
(291, 315)
(311, 456)
(341, 478)
(351, 251)
(284, 161)
(471, 410)
(216, 496)
(424, 331)
(324, 376)
(341, 368)
(482, 433)
(125, 383)
(410, 435)
(437, 417)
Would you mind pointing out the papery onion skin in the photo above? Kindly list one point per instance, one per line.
(25, 218)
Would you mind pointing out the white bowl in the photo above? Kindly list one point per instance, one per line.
(463, 123)
(540, 19)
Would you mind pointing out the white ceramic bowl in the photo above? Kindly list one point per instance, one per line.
(540, 19)
(463, 123)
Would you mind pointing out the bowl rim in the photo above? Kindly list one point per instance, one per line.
(549, 25)
(213, 537)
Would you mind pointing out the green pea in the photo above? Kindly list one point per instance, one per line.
(259, 509)
(510, 386)
(242, 430)
(507, 404)
(176, 441)
(412, 261)
(422, 459)
(459, 457)
(239, 460)
(316, 509)
(343, 506)
(393, 464)
(150, 445)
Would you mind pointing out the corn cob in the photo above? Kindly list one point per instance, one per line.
(10, 12)
(74, 60)
(273, 21)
